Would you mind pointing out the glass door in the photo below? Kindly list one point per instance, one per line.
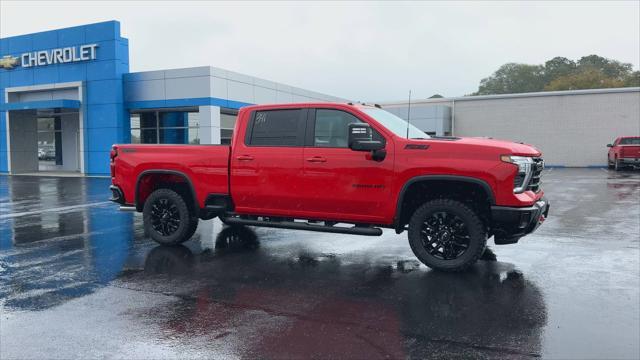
(49, 143)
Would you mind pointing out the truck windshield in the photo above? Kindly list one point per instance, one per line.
(397, 125)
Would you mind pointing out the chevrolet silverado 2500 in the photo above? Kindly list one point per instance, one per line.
(340, 168)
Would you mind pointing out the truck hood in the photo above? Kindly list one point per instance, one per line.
(501, 146)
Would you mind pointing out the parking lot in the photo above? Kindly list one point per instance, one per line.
(79, 279)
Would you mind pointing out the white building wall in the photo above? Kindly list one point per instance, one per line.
(570, 130)
(430, 118)
(209, 130)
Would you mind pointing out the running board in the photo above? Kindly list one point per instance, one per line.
(356, 230)
(127, 208)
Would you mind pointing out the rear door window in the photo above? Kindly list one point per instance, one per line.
(277, 128)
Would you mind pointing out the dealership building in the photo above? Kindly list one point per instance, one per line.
(67, 95)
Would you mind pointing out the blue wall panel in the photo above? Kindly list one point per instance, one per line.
(101, 70)
(71, 36)
(96, 161)
(101, 139)
(45, 40)
(20, 78)
(4, 46)
(19, 44)
(104, 92)
(72, 72)
(5, 79)
(122, 50)
(46, 75)
(103, 115)
(109, 30)
(4, 158)
(3, 143)
(107, 49)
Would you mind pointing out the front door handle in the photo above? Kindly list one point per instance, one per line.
(316, 159)
(244, 158)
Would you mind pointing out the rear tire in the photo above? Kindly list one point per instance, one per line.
(167, 218)
(447, 235)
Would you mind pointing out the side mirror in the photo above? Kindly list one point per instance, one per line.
(361, 138)
(609, 145)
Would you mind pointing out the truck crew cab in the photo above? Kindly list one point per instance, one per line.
(340, 168)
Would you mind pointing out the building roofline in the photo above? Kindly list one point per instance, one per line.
(521, 95)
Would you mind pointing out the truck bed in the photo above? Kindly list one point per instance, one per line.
(205, 167)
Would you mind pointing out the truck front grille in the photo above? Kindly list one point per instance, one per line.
(534, 184)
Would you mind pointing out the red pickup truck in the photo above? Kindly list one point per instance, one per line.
(625, 151)
(340, 168)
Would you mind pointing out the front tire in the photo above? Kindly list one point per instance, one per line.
(167, 218)
(447, 235)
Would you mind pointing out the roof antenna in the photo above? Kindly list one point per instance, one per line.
(408, 114)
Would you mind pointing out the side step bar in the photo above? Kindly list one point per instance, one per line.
(367, 231)
(127, 208)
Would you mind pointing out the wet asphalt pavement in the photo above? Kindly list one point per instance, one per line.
(78, 279)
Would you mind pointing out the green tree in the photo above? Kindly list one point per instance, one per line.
(560, 73)
(610, 68)
(633, 80)
(513, 78)
(435, 96)
(586, 79)
(557, 67)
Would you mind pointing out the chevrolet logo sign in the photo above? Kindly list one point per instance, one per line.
(8, 62)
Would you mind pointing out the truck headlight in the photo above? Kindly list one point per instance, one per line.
(525, 170)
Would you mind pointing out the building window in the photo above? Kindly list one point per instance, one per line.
(165, 127)
(228, 119)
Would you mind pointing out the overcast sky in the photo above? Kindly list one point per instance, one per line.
(362, 51)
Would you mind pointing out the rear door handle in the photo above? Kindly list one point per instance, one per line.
(316, 159)
(244, 158)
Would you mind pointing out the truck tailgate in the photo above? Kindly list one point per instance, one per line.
(206, 167)
(630, 151)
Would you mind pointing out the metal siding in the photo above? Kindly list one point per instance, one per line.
(144, 90)
(571, 130)
(187, 87)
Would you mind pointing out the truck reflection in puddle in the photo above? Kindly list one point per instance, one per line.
(317, 305)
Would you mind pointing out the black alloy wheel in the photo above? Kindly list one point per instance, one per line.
(167, 218)
(447, 235)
